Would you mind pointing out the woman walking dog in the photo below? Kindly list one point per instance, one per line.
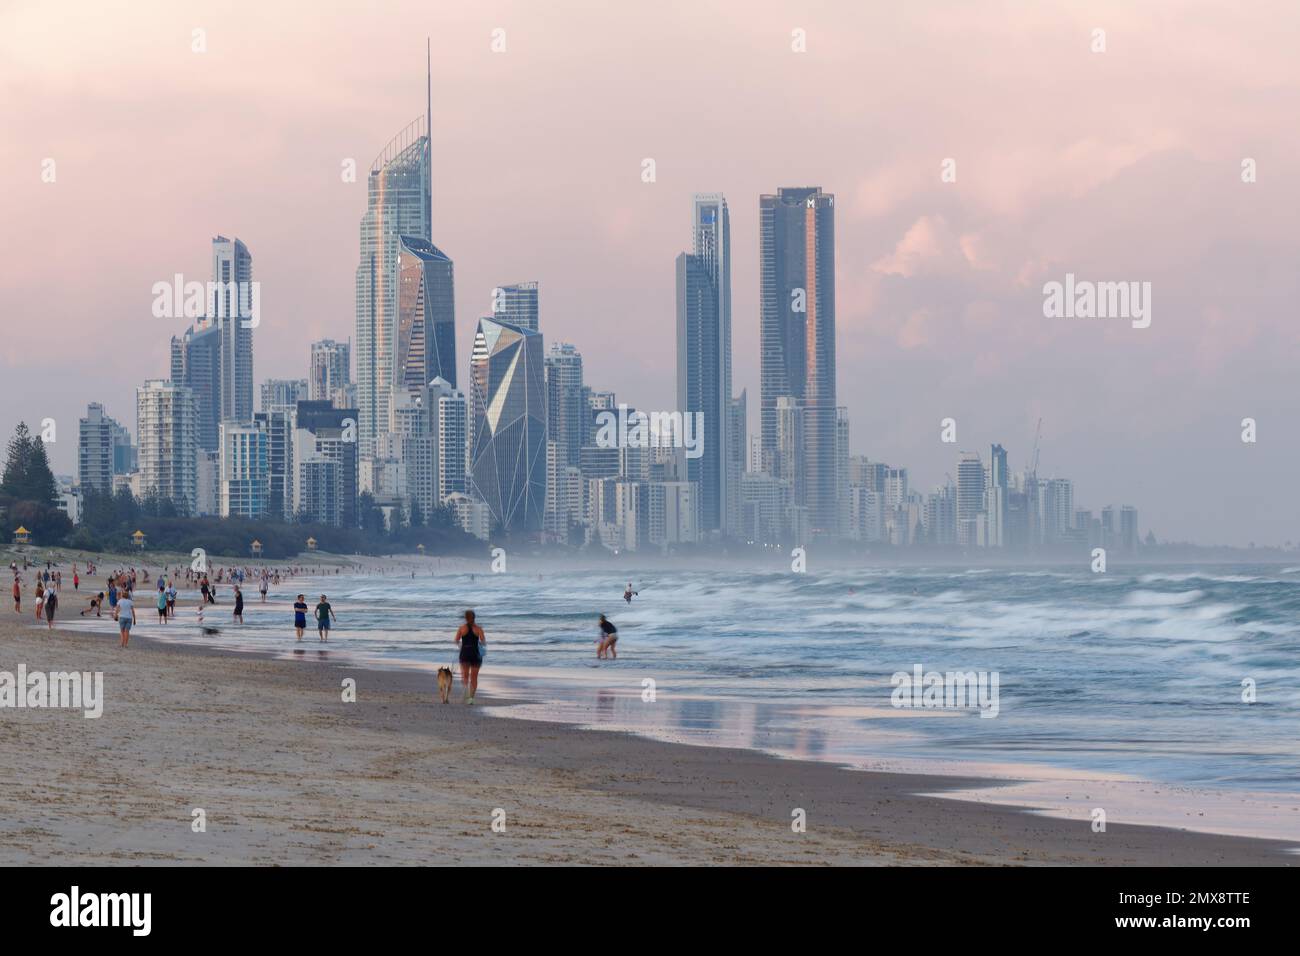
(472, 644)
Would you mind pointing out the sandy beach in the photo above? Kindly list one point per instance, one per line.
(286, 772)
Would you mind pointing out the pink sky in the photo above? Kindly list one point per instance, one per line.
(1123, 165)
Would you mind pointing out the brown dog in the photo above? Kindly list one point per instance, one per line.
(444, 683)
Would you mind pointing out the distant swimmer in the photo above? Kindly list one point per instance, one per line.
(629, 593)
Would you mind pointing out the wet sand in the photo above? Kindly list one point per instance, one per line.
(286, 772)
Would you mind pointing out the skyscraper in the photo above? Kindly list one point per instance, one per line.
(566, 404)
(711, 235)
(196, 364)
(737, 453)
(97, 440)
(331, 369)
(231, 308)
(516, 305)
(399, 202)
(699, 387)
(324, 459)
(166, 424)
(509, 398)
(970, 500)
(245, 490)
(797, 253)
(997, 496)
(453, 439)
(426, 315)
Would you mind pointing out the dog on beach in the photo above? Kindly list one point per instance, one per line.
(444, 683)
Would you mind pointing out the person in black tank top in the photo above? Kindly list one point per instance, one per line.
(469, 637)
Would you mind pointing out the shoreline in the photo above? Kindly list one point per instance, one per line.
(288, 773)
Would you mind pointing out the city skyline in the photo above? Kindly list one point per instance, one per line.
(939, 309)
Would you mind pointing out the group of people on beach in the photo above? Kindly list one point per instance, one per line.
(121, 585)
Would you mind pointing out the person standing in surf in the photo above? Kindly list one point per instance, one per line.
(471, 640)
(300, 615)
(324, 612)
(627, 595)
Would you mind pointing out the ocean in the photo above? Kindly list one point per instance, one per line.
(1136, 674)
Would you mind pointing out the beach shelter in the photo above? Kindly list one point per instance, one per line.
(22, 536)
(257, 548)
(311, 544)
(138, 539)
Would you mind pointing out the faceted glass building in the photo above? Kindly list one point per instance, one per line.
(509, 395)
(426, 315)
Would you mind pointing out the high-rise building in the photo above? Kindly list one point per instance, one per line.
(331, 369)
(245, 470)
(790, 440)
(283, 392)
(997, 496)
(1057, 509)
(426, 315)
(941, 516)
(516, 305)
(279, 423)
(453, 439)
(970, 500)
(797, 266)
(711, 234)
(399, 202)
(1128, 529)
(567, 412)
(166, 423)
(509, 400)
(232, 308)
(196, 364)
(325, 463)
(98, 439)
(700, 369)
(737, 438)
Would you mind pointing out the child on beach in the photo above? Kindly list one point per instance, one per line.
(18, 595)
(40, 597)
(96, 602)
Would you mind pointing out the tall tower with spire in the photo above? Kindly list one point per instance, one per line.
(399, 202)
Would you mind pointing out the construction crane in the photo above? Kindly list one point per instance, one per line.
(1032, 468)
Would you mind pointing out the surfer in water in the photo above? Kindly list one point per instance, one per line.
(629, 593)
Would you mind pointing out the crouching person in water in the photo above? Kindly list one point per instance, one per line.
(608, 638)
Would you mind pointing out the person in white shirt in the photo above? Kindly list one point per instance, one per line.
(125, 614)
